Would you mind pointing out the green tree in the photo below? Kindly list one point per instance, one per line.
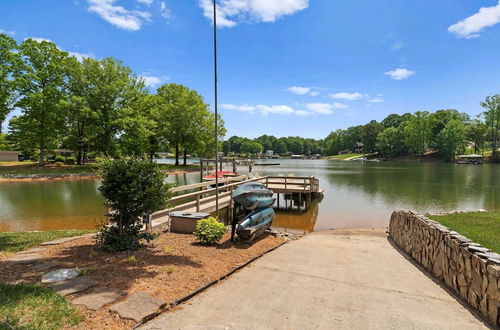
(417, 133)
(131, 188)
(251, 147)
(80, 117)
(187, 119)
(492, 119)
(111, 88)
(476, 133)
(40, 82)
(369, 135)
(452, 138)
(279, 147)
(390, 141)
(9, 62)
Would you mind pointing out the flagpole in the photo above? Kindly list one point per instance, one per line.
(216, 121)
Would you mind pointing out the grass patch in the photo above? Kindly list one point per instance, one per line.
(481, 227)
(14, 242)
(34, 168)
(35, 307)
(345, 156)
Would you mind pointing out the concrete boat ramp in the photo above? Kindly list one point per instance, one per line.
(326, 280)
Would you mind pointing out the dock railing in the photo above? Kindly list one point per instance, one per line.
(204, 200)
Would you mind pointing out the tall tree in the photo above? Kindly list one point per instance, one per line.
(40, 81)
(417, 131)
(390, 141)
(476, 133)
(452, 138)
(9, 62)
(492, 119)
(111, 87)
(187, 119)
(369, 135)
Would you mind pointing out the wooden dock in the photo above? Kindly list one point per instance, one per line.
(203, 198)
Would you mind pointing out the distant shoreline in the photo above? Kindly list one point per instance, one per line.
(68, 176)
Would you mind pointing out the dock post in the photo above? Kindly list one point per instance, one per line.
(278, 200)
(201, 170)
(197, 203)
(300, 201)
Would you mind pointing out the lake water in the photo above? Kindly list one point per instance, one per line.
(357, 195)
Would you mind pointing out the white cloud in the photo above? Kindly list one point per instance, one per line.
(472, 25)
(313, 91)
(38, 39)
(243, 108)
(303, 113)
(276, 109)
(232, 12)
(165, 12)
(153, 81)
(400, 73)
(347, 96)
(79, 56)
(266, 109)
(7, 32)
(146, 2)
(376, 100)
(130, 20)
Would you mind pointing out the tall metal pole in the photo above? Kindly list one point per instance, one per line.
(216, 124)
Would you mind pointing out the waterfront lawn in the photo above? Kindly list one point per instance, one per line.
(12, 242)
(35, 307)
(481, 227)
(20, 168)
(345, 156)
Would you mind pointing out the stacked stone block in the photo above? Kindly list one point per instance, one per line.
(469, 269)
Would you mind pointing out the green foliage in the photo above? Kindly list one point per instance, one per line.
(170, 270)
(9, 64)
(35, 307)
(417, 133)
(209, 231)
(59, 159)
(131, 187)
(452, 139)
(492, 121)
(70, 160)
(17, 241)
(369, 135)
(390, 142)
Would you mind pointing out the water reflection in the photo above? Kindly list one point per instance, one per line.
(356, 195)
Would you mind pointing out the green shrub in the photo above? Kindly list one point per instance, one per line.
(70, 160)
(209, 231)
(59, 163)
(131, 188)
(59, 159)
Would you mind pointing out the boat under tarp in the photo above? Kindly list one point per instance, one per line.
(253, 195)
(255, 223)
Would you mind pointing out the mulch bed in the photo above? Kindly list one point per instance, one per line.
(173, 266)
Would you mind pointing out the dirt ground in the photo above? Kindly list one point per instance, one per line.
(173, 266)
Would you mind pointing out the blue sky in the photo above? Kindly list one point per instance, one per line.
(289, 67)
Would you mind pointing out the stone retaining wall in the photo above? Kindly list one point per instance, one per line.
(469, 269)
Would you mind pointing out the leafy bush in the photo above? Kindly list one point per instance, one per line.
(59, 159)
(131, 188)
(59, 163)
(209, 231)
(70, 160)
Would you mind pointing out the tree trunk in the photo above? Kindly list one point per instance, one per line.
(41, 161)
(185, 157)
(177, 155)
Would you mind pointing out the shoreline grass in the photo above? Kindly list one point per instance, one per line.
(24, 306)
(12, 242)
(480, 227)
